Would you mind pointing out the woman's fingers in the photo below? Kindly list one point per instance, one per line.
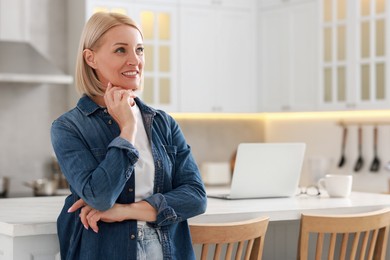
(89, 217)
(84, 215)
(118, 102)
(114, 97)
(129, 95)
(78, 204)
(109, 95)
(93, 217)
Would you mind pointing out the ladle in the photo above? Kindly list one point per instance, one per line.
(360, 161)
(343, 143)
(376, 162)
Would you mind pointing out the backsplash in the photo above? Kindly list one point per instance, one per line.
(215, 140)
(26, 113)
(322, 133)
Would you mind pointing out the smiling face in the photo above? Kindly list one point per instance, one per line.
(119, 57)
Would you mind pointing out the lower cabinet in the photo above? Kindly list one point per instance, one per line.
(39, 247)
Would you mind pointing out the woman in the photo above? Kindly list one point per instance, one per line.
(133, 179)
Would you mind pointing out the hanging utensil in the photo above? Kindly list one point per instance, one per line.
(360, 161)
(343, 143)
(387, 166)
(376, 162)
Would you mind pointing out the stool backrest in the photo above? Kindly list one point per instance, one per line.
(352, 236)
(245, 238)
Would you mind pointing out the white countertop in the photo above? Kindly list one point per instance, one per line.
(38, 215)
(30, 216)
(281, 209)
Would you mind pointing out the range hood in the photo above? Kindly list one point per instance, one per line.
(21, 62)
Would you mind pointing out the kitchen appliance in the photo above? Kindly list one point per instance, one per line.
(43, 187)
(21, 62)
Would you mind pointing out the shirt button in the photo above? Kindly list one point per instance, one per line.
(105, 110)
(132, 236)
(131, 189)
(110, 122)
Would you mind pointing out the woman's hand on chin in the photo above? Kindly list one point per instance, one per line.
(119, 102)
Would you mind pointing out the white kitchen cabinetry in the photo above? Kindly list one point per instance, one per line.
(354, 63)
(158, 23)
(217, 56)
(247, 4)
(289, 55)
(13, 20)
(34, 247)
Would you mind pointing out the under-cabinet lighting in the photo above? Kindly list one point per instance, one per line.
(372, 114)
(217, 116)
(329, 115)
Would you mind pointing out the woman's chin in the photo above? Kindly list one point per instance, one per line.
(133, 89)
(126, 87)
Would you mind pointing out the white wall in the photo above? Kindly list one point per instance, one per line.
(323, 135)
(215, 140)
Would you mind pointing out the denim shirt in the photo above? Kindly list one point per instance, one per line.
(100, 166)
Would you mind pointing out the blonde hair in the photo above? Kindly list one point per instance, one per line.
(99, 23)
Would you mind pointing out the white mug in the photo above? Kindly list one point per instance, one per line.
(336, 185)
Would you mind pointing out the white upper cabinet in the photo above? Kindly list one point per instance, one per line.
(355, 58)
(288, 56)
(159, 30)
(217, 56)
(158, 23)
(13, 20)
(242, 4)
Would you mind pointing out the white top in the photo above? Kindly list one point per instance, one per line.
(144, 168)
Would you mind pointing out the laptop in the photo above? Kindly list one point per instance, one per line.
(265, 170)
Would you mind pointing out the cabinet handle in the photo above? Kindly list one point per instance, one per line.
(216, 2)
(216, 109)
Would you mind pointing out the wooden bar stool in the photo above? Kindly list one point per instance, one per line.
(233, 238)
(352, 236)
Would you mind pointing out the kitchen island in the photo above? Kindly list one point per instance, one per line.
(28, 225)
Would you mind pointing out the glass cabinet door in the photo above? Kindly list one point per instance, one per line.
(372, 52)
(334, 56)
(354, 53)
(157, 26)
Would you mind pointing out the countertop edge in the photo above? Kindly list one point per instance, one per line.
(28, 229)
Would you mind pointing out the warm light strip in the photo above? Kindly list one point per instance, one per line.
(344, 115)
(217, 116)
